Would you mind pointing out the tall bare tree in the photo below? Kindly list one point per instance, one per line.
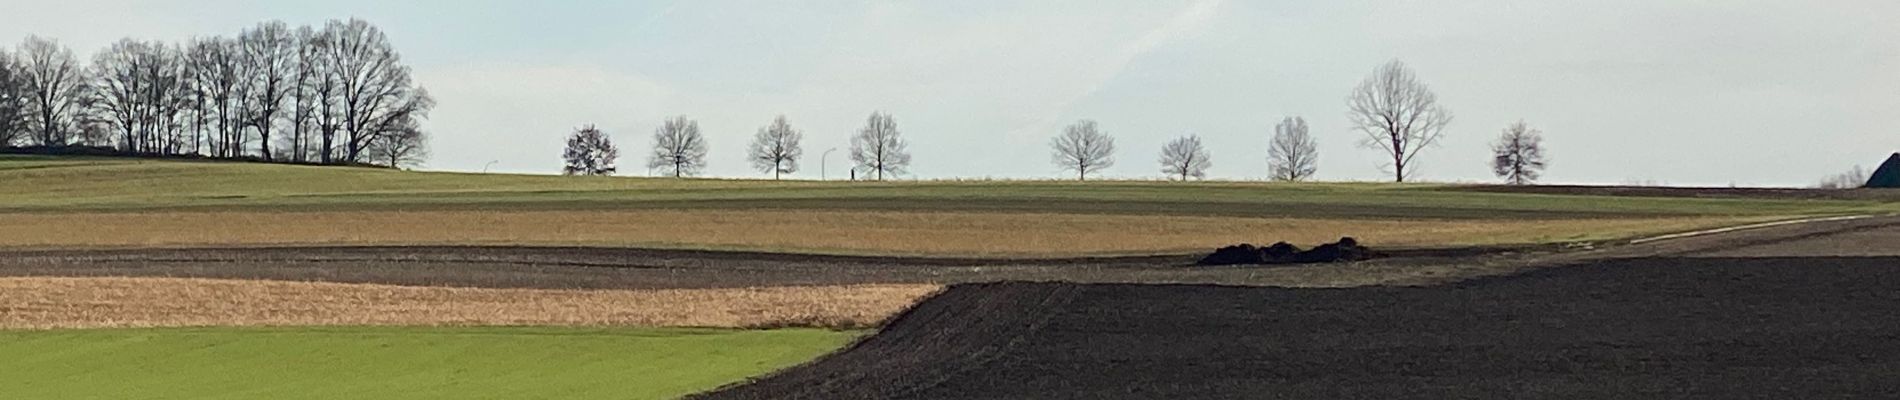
(376, 92)
(12, 100)
(310, 93)
(120, 87)
(55, 87)
(678, 148)
(1185, 158)
(268, 54)
(1399, 115)
(879, 148)
(1518, 155)
(217, 76)
(776, 148)
(1084, 149)
(1292, 155)
(589, 152)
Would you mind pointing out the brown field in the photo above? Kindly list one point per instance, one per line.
(54, 303)
(964, 234)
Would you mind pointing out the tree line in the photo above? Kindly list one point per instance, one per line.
(1396, 113)
(338, 93)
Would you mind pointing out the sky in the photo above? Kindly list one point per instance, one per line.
(1713, 93)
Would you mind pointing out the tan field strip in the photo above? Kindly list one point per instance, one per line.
(849, 232)
(53, 303)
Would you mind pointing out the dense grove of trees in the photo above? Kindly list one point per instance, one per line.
(332, 94)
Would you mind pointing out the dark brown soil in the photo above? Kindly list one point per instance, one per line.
(606, 268)
(1717, 328)
(1800, 311)
(1790, 312)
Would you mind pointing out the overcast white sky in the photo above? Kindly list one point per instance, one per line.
(1746, 92)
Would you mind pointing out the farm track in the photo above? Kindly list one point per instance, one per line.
(1806, 316)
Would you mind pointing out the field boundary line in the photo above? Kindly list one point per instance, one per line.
(1715, 231)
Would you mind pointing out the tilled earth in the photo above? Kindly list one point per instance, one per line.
(1804, 318)
(1801, 311)
(608, 268)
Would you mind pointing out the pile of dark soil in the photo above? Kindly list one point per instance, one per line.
(1346, 250)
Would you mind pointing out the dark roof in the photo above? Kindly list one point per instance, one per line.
(1888, 176)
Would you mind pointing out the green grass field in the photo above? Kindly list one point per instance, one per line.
(393, 363)
(68, 184)
(105, 202)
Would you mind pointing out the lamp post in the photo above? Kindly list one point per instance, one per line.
(489, 164)
(821, 162)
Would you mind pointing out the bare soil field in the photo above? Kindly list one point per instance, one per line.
(59, 303)
(611, 268)
(1710, 327)
(945, 234)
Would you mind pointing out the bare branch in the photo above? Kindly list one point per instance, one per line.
(678, 148)
(1084, 149)
(1398, 114)
(879, 149)
(1185, 158)
(1292, 155)
(589, 152)
(1518, 155)
(776, 149)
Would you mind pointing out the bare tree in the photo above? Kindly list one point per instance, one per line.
(376, 94)
(589, 152)
(139, 92)
(55, 87)
(268, 54)
(309, 94)
(1083, 148)
(1518, 155)
(1398, 114)
(678, 148)
(879, 148)
(405, 146)
(12, 100)
(1292, 155)
(217, 78)
(776, 148)
(1185, 158)
(1853, 178)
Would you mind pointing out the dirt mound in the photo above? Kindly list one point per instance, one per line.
(1345, 250)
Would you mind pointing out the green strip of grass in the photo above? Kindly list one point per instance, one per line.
(394, 362)
(46, 184)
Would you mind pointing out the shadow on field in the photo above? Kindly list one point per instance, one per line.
(1719, 328)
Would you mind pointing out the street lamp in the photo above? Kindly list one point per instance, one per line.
(821, 162)
(489, 164)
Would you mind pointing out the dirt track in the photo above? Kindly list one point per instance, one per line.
(1729, 322)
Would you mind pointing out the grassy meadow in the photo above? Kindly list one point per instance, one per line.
(395, 362)
(80, 203)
